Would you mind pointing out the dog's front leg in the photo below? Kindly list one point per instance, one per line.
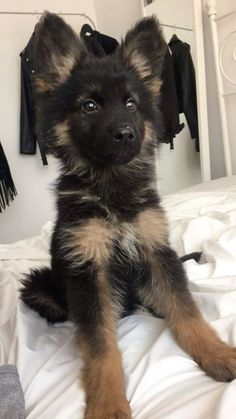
(167, 293)
(95, 313)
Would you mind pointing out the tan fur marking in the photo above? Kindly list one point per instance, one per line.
(149, 133)
(155, 86)
(189, 328)
(129, 240)
(103, 377)
(91, 241)
(148, 230)
(62, 68)
(62, 133)
(197, 338)
(43, 85)
(193, 334)
(111, 310)
(151, 226)
(105, 389)
(139, 63)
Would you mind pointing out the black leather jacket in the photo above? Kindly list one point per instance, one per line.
(185, 84)
(28, 139)
(169, 102)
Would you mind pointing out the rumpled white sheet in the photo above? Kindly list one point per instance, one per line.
(163, 382)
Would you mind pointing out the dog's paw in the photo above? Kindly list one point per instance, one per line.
(220, 364)
(111, 411)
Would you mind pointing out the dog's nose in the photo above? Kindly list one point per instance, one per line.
(123, 134)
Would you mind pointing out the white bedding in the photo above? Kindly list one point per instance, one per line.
(163, 382)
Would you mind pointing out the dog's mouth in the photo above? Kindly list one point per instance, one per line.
(122, 158)
(118, 158)
(113, 158)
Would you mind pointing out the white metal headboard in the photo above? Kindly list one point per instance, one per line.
(221, 72)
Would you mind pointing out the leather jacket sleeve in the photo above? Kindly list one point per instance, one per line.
(28, 139)
(189, 93)
(27, 135)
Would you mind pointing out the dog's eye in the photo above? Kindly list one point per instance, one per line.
(90, 106)
(131, 105)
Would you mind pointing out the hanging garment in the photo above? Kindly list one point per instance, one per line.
(93, 46)
(108, 43)
(7, 187)
(28, 139)
(169, 102)
(98, 43)
(185, 84)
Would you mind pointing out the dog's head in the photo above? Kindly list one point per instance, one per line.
(102, 110)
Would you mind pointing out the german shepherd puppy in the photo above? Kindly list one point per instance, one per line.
(110, 248)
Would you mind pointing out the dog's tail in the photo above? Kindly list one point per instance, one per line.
(40, 294)
(195, 256)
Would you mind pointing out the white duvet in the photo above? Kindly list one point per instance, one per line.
(163, 382)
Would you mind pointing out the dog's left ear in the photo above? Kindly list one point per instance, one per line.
(143, 50)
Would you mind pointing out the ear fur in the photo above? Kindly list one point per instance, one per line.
(143, 49)
(56, 51)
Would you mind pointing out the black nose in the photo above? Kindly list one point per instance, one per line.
(123, 134)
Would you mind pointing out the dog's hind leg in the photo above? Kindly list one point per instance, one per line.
(166, 291)
(40, 293)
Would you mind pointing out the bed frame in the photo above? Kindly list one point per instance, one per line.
(226, 46)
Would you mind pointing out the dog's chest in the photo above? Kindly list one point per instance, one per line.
(102, 238)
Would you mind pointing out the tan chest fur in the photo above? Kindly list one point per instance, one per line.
(95, 238)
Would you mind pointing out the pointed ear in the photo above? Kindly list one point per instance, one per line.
(143, 50)
(56, 51)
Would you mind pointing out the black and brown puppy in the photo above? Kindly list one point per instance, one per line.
(110, 249)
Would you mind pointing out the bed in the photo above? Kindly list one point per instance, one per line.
(162, 381)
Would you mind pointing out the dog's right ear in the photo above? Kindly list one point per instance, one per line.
(56, 51)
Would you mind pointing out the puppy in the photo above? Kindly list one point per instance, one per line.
(110, 250)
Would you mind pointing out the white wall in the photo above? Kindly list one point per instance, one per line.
(225, 26)
(34, 204)
(116, 17)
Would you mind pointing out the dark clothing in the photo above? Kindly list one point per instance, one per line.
(93, 46)
(108, 43)
(97, 43)
(28, 139)
(7, 187)
(169, 101)
(185, 84)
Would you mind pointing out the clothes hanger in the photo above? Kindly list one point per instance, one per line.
(174, 36)
(37, 15)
